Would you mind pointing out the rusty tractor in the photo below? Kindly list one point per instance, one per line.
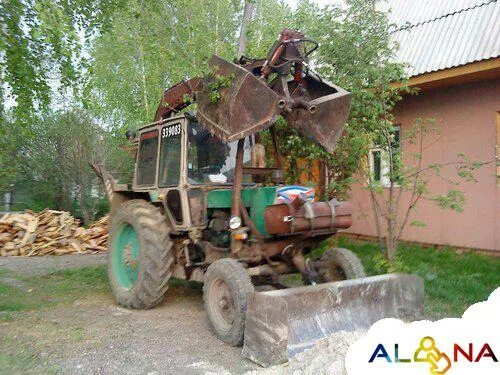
(206, 204)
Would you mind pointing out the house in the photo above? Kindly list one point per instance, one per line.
(452, 49)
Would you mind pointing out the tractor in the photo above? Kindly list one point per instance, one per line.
(207, 204)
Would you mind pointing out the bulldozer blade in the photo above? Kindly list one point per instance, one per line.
(238, 109)
(281, 323)
(327, 113)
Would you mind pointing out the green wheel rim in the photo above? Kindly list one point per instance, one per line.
(126, 256)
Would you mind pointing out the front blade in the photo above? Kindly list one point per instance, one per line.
(245, 107)
(282, 323)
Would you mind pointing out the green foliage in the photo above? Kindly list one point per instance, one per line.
(381, 264)
(151, 46)
(410, 175)
(453, 200)
(269, 18)
(218, 83)
(42, 41)
(53, 167)
(355, 53)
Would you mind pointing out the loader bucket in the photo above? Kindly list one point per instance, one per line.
(244, 107)
(281, 323)
(325, 123)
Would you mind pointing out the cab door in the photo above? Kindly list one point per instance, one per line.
(170, 172)
(147, 158)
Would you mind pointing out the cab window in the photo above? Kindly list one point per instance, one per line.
(146, 163)
(170, 156)
(211, 160)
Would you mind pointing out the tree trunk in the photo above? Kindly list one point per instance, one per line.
(83, 203)
(242, 42)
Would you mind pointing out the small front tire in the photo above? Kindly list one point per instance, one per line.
(340, 264)
(225, 295)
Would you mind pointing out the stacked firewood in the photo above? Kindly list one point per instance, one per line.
(49, 232)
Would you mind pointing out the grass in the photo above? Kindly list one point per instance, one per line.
(35, 292)
(453, 281)
(22, 294)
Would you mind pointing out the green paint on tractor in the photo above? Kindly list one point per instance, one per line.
(125, 256)
(255, 200)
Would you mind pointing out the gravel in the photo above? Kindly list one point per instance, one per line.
(93, 335)
(40, 265)
(326, 357)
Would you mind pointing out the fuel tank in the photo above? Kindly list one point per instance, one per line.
(303, 216)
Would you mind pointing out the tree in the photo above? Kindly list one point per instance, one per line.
(355, 53)
(43, 41)
(151, 46)
(56, 160)
(402, 180)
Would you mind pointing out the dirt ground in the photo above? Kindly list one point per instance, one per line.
(45, 264)
(93, 335)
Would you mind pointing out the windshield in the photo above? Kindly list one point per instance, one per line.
(211, 160)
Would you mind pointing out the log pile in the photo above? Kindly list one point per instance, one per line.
(50, 232)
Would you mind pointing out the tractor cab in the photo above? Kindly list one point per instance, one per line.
(181, 152)
(182, 164)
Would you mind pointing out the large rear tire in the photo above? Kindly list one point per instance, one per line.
(340, 264)
(139, 255)
(225, 295)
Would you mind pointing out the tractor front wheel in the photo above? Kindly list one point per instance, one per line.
(339, 264)
(225, 295)
(139, 255)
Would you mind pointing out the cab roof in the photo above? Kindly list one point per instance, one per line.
(163, 121)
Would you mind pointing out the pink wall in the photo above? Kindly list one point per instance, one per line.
(466, 118)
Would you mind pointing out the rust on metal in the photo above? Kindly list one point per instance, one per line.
(284, 218)
(177, 98)
(281, 323)
(247, 106)
(325, 123)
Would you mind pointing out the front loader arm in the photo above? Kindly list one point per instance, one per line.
(177, 98)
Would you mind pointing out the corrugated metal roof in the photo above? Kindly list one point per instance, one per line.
(438, 34)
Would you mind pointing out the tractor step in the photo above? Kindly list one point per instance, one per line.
(282, 323)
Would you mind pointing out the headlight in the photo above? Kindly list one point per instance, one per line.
(234, 222)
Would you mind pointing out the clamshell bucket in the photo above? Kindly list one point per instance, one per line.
(233, 103)
(327, 111)
(282, 323)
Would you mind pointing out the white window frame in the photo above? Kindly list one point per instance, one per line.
(384, 165)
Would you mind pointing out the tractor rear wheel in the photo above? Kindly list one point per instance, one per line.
(139, 255)
(225, 295)
(340, 264)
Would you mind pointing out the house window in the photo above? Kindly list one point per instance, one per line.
(380, 161)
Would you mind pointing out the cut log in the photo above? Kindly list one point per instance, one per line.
(50, 232)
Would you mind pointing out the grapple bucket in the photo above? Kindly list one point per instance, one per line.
(327, 111)
(281, 323)
(233, 103)
(234, 109)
